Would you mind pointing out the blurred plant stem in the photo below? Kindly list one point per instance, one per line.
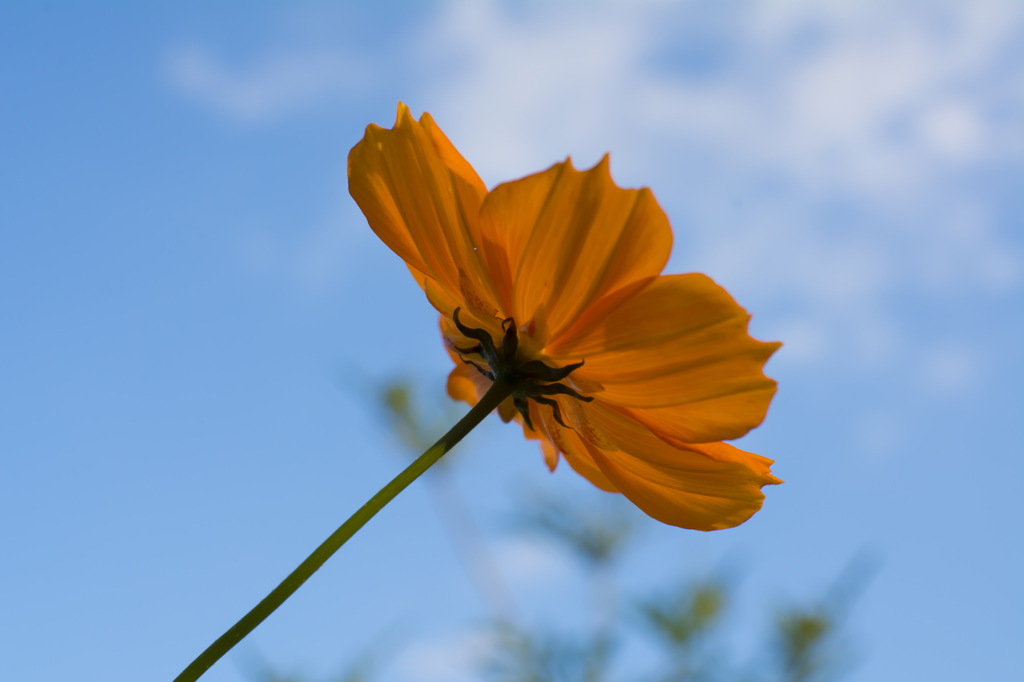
(452, 509)
(596, 538)
(683, 619)
(809, 645)
(470, 546)
(495, 395)
(684, 622)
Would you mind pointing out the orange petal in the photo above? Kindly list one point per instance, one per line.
(572, 447)
(726, 417)
(678, 357)
(435, 293)
(704, 487)
(507, 410)
(422, 199)
(471, 184)
(550, 454)
(634, 438)
(687, 495)
(565, 239)
(462, 385)
(577, 417)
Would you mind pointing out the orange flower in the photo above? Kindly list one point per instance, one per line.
(563, 267)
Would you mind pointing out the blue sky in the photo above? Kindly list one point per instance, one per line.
(188, 291)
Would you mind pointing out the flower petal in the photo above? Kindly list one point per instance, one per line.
(571, 446)
(704, 487)
(435, 293)
(563, 239)
(678, 357)
(467, 384)
(422, 199)
(550, 453)
(725, 417)
(685, 495)
(472, 189)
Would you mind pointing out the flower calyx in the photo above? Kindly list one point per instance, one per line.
(530, 379)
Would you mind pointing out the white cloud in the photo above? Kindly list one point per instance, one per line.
(530, 563)
(449, 659)
(851, 131)
(277, 85)
(523, 85)
(314, 258)
(880, 109)
(806, 340)
(585, 75)
(950, 371)
(953, 129)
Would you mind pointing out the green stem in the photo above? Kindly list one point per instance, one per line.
(494, 396)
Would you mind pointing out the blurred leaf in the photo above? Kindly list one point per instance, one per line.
(805, 637)
(682, 621)
(397, 403)
(683, 617)
(595, 534)
(416, 432)
(810, 645)
(525, 656)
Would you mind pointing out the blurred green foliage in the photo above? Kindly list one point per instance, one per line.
(801, 636)
(681, 622)
(685, 622)
(595, 534)
(525, 655)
